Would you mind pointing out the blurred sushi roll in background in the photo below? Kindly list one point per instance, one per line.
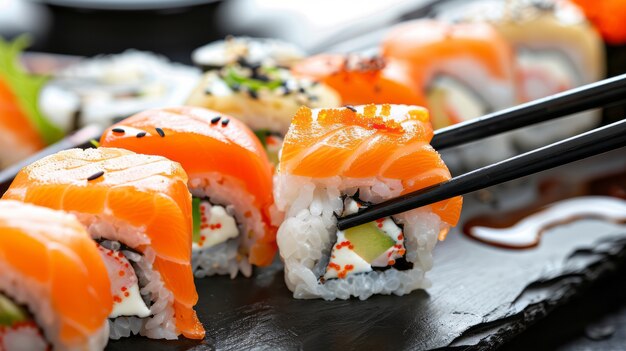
(361, 79)
(138, 210)
(230, 179)
(335, 162)
(556, 49)
(462, 71)
(108, 88)
(54, 288)
(254, 51)
(23, 128)
(263, 96)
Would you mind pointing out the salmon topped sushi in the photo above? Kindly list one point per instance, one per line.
(464, 71)
(337, 161)
(360, 79)
(230, 178)
(555, 49)
(138, 209)
(54, 287)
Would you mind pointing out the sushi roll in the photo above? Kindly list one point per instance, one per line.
(263, 97)
(338, 161)
(464, 71)
(107, 88)
(361, 79)
(138, 210)
(230, 179)
(23, 129)
(258, 51)
(54, 287)
(556, 49)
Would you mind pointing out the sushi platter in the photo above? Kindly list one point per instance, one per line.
(449, 185)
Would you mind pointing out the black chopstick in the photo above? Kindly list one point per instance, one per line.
(576, 148)
(562, 104)
(80, 139)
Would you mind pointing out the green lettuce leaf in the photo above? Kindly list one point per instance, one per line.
(26, 87)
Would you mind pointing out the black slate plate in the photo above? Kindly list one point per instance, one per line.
(481, 297)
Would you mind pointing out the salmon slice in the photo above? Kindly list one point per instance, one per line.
(144, 191)
(425, 45)
(198, 145)
(371, 141)
(362, 80)
(53, 253)
(203, 142)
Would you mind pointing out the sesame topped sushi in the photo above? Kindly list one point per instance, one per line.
(264, 97)
(138, 210)
(54, 288)
(335, 162)
(230, 179)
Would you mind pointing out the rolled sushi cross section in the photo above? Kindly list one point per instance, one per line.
(370, 246)
(230, 179)
(138, 210)
(336, 161)
(462, 71)
(54, 288)
(555, 49)
(263, 96)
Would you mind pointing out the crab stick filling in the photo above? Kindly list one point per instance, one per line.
(127, 299)
(545, 72)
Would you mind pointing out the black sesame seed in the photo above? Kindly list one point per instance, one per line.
(141, 134)
(253, 94)
(208, 91)
(160, 131)
(95, 176)
(118, 130)
(214, 120)
(301, 89)
(225, 122)
(351, 108)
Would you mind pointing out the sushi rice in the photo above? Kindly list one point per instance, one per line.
(309, 232)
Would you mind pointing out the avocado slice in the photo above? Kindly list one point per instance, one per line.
(10, 313)
(195, 213)
(368, 241)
